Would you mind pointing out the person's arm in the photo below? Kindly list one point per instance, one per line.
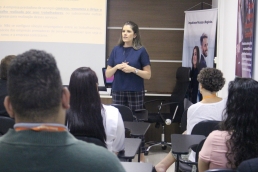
(165, 163)
(110, 71)
(145, 73)
(205, 154)
(203, 165)
(119, 141)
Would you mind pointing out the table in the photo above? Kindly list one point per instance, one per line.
(132, 145)
(137, 167)
(137, 128)
(181, 144)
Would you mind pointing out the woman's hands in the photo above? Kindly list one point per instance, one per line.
(125, 67)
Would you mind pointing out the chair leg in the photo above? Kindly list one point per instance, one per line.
(163, 143)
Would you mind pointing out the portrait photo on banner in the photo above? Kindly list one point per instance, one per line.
(198, 45)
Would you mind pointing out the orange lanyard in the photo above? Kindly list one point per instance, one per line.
(42, 128)
(208, 97)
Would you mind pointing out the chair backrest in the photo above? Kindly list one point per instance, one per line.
(91, 140)
(126, 112)
(179, 92)
(183, 121)
(5, 124)
(250, 165)
(205, 127)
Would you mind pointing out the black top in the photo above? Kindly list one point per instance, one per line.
(194, 84)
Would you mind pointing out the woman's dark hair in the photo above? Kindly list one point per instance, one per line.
(198, 56)
(137, 40)
(211, 79)
(241, 120)
(84, 116)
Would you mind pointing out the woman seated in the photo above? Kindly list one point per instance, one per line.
(88, 117)
(210, 108)
(238, 138)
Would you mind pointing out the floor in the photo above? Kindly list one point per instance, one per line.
(156, 154)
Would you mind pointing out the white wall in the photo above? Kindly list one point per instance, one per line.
(226, 41)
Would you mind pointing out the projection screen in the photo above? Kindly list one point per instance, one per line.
(73, 31)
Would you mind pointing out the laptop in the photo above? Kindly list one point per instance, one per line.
(107, 81)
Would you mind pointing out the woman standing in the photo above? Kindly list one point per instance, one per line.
(129, 63)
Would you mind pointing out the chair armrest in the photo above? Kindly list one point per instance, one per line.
(165, 104)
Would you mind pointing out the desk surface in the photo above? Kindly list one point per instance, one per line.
(131, 147)
(137, 167)
(182, 142)
(107, 95)
(137, 128)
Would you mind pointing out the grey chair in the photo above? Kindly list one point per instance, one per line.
(202, 128)
(5, 124)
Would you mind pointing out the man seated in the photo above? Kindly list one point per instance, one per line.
(39, 140)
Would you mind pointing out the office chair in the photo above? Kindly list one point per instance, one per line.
(91, 140)
(126, 112)
(202, 128)
(176, 107)
(250, 165)
(5, 124)
(183, 123)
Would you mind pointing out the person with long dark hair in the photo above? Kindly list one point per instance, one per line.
(88, 117)
(238, 138)
(194, 84)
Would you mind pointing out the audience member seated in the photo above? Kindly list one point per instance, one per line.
(210, 108)
(5, 63)
(238, 138)
(87, 116)
(40, 140)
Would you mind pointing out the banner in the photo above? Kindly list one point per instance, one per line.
(245, 38)
(199, 44)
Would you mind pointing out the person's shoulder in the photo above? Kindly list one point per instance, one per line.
(117, 47)
(218, 133)
(110, 108)
(98, 155)
(195, 106)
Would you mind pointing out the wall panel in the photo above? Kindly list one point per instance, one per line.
(153, 17)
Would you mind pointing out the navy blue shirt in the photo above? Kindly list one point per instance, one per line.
(135, 58)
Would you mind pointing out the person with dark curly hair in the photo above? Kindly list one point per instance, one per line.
(210, 108)
(238, 138)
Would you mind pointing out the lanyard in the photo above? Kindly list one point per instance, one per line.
(42, 128)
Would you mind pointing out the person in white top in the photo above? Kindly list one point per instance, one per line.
(114, 128)
(88, 117)
(210, 108)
